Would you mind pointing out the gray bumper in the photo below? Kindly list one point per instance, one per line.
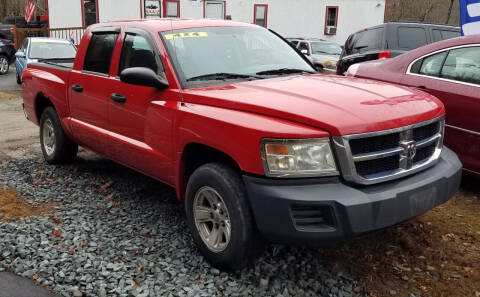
(322, 210)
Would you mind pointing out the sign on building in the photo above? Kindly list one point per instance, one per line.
(152, 9)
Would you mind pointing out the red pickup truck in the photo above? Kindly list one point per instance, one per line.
(257, 145)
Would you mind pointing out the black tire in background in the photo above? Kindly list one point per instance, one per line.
(63, 150)
(4, 65)
(19, 80)
(245, 242)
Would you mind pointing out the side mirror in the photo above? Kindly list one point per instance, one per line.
(20, 54)
(304, 51)
(143, 76)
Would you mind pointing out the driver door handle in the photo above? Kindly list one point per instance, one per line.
(77, 88)
(119, 98)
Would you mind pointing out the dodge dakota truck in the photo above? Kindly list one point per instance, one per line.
(259, 147)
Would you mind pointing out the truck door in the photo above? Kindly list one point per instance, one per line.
(140, 117)
(90, 91)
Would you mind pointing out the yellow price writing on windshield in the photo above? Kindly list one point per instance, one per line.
(186, 35)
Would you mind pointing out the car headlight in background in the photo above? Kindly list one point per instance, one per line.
(331, 65)
(298, 157)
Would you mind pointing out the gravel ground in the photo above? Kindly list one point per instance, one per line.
(114, 232)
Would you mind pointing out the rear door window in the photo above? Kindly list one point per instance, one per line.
(463, 64)
(99, 52)
(411, 37)
(432, 65)
(439, 35)
(370, 39)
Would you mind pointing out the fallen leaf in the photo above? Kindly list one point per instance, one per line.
(139, 268)
(105, 186)
(134, 284)
(71, 251)
(55, 220)
(109, 197)
(335, 269)
(35, 277)
(57, 233)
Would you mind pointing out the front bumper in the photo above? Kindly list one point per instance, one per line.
(324, 210)
(329, 71)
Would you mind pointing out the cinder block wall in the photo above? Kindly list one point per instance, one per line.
(430, 11)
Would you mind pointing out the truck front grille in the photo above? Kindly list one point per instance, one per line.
(385, 155)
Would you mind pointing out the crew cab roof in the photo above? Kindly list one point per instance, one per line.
(160, 25)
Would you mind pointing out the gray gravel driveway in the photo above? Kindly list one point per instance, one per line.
(115, 232)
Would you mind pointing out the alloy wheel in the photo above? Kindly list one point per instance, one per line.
(212, 219)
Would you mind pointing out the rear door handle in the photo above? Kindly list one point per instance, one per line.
(422, 87)
(119, 98)
(77, 88)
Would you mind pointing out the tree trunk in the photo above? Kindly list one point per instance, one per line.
(449, 15)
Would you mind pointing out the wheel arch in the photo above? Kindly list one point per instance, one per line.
(194, 155)
(41, 102)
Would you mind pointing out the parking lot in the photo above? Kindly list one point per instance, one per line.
(95, 228)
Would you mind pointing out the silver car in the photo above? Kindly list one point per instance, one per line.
(323, 54)
(42, 48)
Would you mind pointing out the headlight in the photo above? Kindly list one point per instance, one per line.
(298, 157)
(331, 65)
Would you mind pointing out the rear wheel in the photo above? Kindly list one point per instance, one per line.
(219, 217)
(4, 66)
(56, 146)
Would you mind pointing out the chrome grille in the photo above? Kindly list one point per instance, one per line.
(385, 155)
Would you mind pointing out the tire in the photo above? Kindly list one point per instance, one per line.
(19, 80)
(4, 65)
(56, 147)
(244, 243)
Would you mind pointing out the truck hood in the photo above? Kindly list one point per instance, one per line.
(337, 104)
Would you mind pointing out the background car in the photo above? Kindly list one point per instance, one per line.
(449, 70)
(390, 40)
(7, 55)
(323, 54)
(42, 48)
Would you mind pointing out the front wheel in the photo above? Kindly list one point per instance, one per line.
(219, 217)
(56, 146)
(4, 66)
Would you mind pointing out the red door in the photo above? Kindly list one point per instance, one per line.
(90, 93)
(141, 118)
(456, 82)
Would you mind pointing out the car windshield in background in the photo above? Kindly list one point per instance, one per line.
(326, 48)
(207, 55)
(51, 50)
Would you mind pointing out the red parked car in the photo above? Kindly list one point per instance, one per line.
(256, 143)
(449, 70)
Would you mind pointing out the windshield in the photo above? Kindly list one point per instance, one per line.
(233, 52)
(326, 48)
(51, 50)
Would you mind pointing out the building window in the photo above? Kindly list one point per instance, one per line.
(172, 8)
(260, 12)
(331, 20)
(89, 12)
(214, 9)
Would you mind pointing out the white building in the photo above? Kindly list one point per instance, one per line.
(327, 19)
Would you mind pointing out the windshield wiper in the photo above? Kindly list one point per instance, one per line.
(222, 76)
(283, 71)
